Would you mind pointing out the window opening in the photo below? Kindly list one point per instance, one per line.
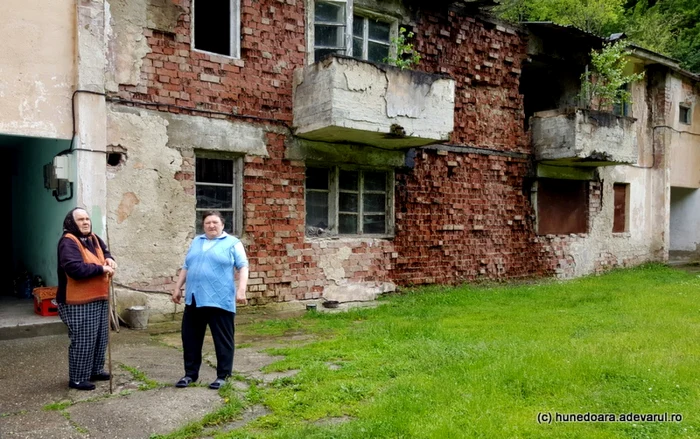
(348, 201)
(216, 188)
(621, 194)
(562, 206)
(371, 39)
(329, 29)
(684, 114)
(216, 27)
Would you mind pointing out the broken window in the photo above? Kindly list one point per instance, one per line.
(621, 196)
(216, 27)
(562, 206)
(684, 114)
(218, 187)
(336, 30)
(349, 201)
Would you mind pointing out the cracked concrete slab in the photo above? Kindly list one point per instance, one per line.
(33, 374)
(38, 424)
(142, 414)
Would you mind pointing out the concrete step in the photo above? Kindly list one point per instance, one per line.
(18, 320)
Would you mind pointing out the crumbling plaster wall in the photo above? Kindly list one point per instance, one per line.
(151, 192)
(37, 75)
(599, 249)
(685, 170)
(685, 140)
(646, 240)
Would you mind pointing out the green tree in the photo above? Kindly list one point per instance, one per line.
(669, 27)
(687, 46)
(599, 17)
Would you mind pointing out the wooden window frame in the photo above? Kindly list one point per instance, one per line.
(350, 11)
(334, 191)
(237, 191)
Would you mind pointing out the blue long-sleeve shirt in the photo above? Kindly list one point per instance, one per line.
(70, 262)
(210, 266)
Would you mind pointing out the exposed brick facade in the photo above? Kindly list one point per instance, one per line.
(485, 61)
(259, 84)
(461, 215)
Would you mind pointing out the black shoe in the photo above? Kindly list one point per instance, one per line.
(102, 376)
(185, 381)
(81, 385)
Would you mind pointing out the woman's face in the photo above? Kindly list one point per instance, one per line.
(213, 226)
(82, 220)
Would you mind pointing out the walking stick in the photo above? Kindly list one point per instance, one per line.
(111, 309)
(109, 338)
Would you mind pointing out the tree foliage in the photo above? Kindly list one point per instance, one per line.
(669, 27)
(604, 86)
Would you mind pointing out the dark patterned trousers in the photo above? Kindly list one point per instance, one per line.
(88, 329)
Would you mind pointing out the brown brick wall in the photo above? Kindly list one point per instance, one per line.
(485, 61)
(259, 84)
(462, 217)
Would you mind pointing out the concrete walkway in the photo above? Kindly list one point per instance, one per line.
(33, 379)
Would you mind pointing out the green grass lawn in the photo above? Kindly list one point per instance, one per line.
(485, 361)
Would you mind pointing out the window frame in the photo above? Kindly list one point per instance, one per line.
(350, 12)
(234, 31)
(334, 191)
(366, 16)
(236, 184)
(623, 109)
(625, 207)
(688, 113)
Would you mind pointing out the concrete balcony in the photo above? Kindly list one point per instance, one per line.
(347, 100)
(579, 137)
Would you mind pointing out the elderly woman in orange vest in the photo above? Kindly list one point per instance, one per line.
(84, 268)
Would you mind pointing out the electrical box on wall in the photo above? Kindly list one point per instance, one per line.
(57, 175)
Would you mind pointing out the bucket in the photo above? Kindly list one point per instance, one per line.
(137, 317)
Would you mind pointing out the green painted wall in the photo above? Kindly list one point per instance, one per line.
(37, 217)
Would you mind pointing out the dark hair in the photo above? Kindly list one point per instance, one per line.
(69, 225)
(207, 213)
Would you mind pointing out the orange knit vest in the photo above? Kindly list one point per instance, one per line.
(80, 291)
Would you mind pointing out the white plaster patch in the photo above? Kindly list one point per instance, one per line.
(332, 265)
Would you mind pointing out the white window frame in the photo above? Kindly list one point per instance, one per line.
(350, 12)
(334, 194)
(234, 31)
(236, 184)
(366, 16)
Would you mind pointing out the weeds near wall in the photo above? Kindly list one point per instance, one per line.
(605, 85)
(406, 54)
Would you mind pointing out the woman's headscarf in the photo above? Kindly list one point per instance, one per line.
(69, 225)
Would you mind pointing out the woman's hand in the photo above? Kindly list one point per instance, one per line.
(107, 269)
(241, 298)
(111, 262)
(177, 296)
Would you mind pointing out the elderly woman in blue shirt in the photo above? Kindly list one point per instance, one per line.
(210, 297)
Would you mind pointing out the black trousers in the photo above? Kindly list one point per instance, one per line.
(194, 326)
